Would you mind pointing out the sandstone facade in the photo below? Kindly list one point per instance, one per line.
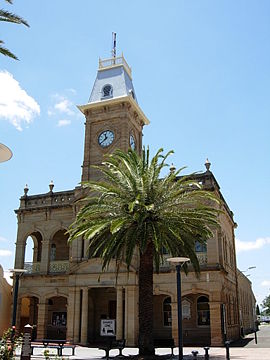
(66, 295)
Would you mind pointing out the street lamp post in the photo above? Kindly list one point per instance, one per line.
(5, 153)
(178, 262)
(17, 273)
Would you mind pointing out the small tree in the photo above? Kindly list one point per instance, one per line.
(266, 306)
(10, 17)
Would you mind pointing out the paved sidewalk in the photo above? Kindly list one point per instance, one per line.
(83, 353)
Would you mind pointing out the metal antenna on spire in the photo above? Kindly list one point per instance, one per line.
(114, 45)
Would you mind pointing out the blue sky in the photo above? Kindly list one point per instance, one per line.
(201, 74)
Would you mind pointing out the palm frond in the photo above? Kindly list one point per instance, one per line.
(4, 51)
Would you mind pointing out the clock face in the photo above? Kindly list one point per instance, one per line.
(132, 142)
(106, 138)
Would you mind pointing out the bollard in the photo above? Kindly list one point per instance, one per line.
(206, 355)
(26, 344)
(227, 345)
(256, 340)
(194, 353)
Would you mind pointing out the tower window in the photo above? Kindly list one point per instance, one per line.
(107, 91)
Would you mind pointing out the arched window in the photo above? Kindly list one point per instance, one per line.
(203, 311)
(199, 247)
(107, 91)
(167, 312)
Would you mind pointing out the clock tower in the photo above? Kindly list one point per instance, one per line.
(114, 119)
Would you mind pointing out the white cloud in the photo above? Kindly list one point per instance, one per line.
(251, 245)
(5, 252)
(16, 105)
(265, 283)
(73, 91)
(63, 123)
(64, 106)
(2, 239)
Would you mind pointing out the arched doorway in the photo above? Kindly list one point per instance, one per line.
(196, 320)
(162, 325)
(57, 318)
(29, 314)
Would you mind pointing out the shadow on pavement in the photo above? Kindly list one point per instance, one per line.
(242, 342)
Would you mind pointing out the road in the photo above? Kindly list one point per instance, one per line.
(263, 339)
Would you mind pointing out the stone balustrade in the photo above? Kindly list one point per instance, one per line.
(55, 267)
(50, 199)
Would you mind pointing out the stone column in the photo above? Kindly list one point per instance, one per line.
(119, 313)
(174, 322)
(42, 320)
(84, 319)
(76, 315)
(19, 259)
(131, 315)
(216, 324)
(85, 250)
(45, 257)
(70, 314)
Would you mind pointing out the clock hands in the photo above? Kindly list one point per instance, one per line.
(106, 137)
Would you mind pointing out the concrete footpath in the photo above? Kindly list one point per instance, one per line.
(245, 349)
(83, 353)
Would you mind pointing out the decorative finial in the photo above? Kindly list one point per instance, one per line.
(26, 189)
(172, 169)
(207, 165)
(51, 186)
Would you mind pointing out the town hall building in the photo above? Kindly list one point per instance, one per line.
(65, 294)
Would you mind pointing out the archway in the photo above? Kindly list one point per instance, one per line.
(162, 325)
(196, 320)
(59, 249)
(29, 314)
(57, 318)
(32, 252)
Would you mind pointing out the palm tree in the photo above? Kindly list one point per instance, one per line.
(9, 17)
(136, 210)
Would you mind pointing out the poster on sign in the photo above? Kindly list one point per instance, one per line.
(107, 327)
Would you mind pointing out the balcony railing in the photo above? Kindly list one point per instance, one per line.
(114, 61)
(202, 257)
(59, 266)
(55, 267)
(32, 268)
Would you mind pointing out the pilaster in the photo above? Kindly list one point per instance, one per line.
(84, 319)
(76, 316)
(70, 314)
(216, 324)
(119, 313)
(45, 252)
(42, 320)
(131, 315)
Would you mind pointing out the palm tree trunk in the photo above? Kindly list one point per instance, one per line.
(146, 341)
